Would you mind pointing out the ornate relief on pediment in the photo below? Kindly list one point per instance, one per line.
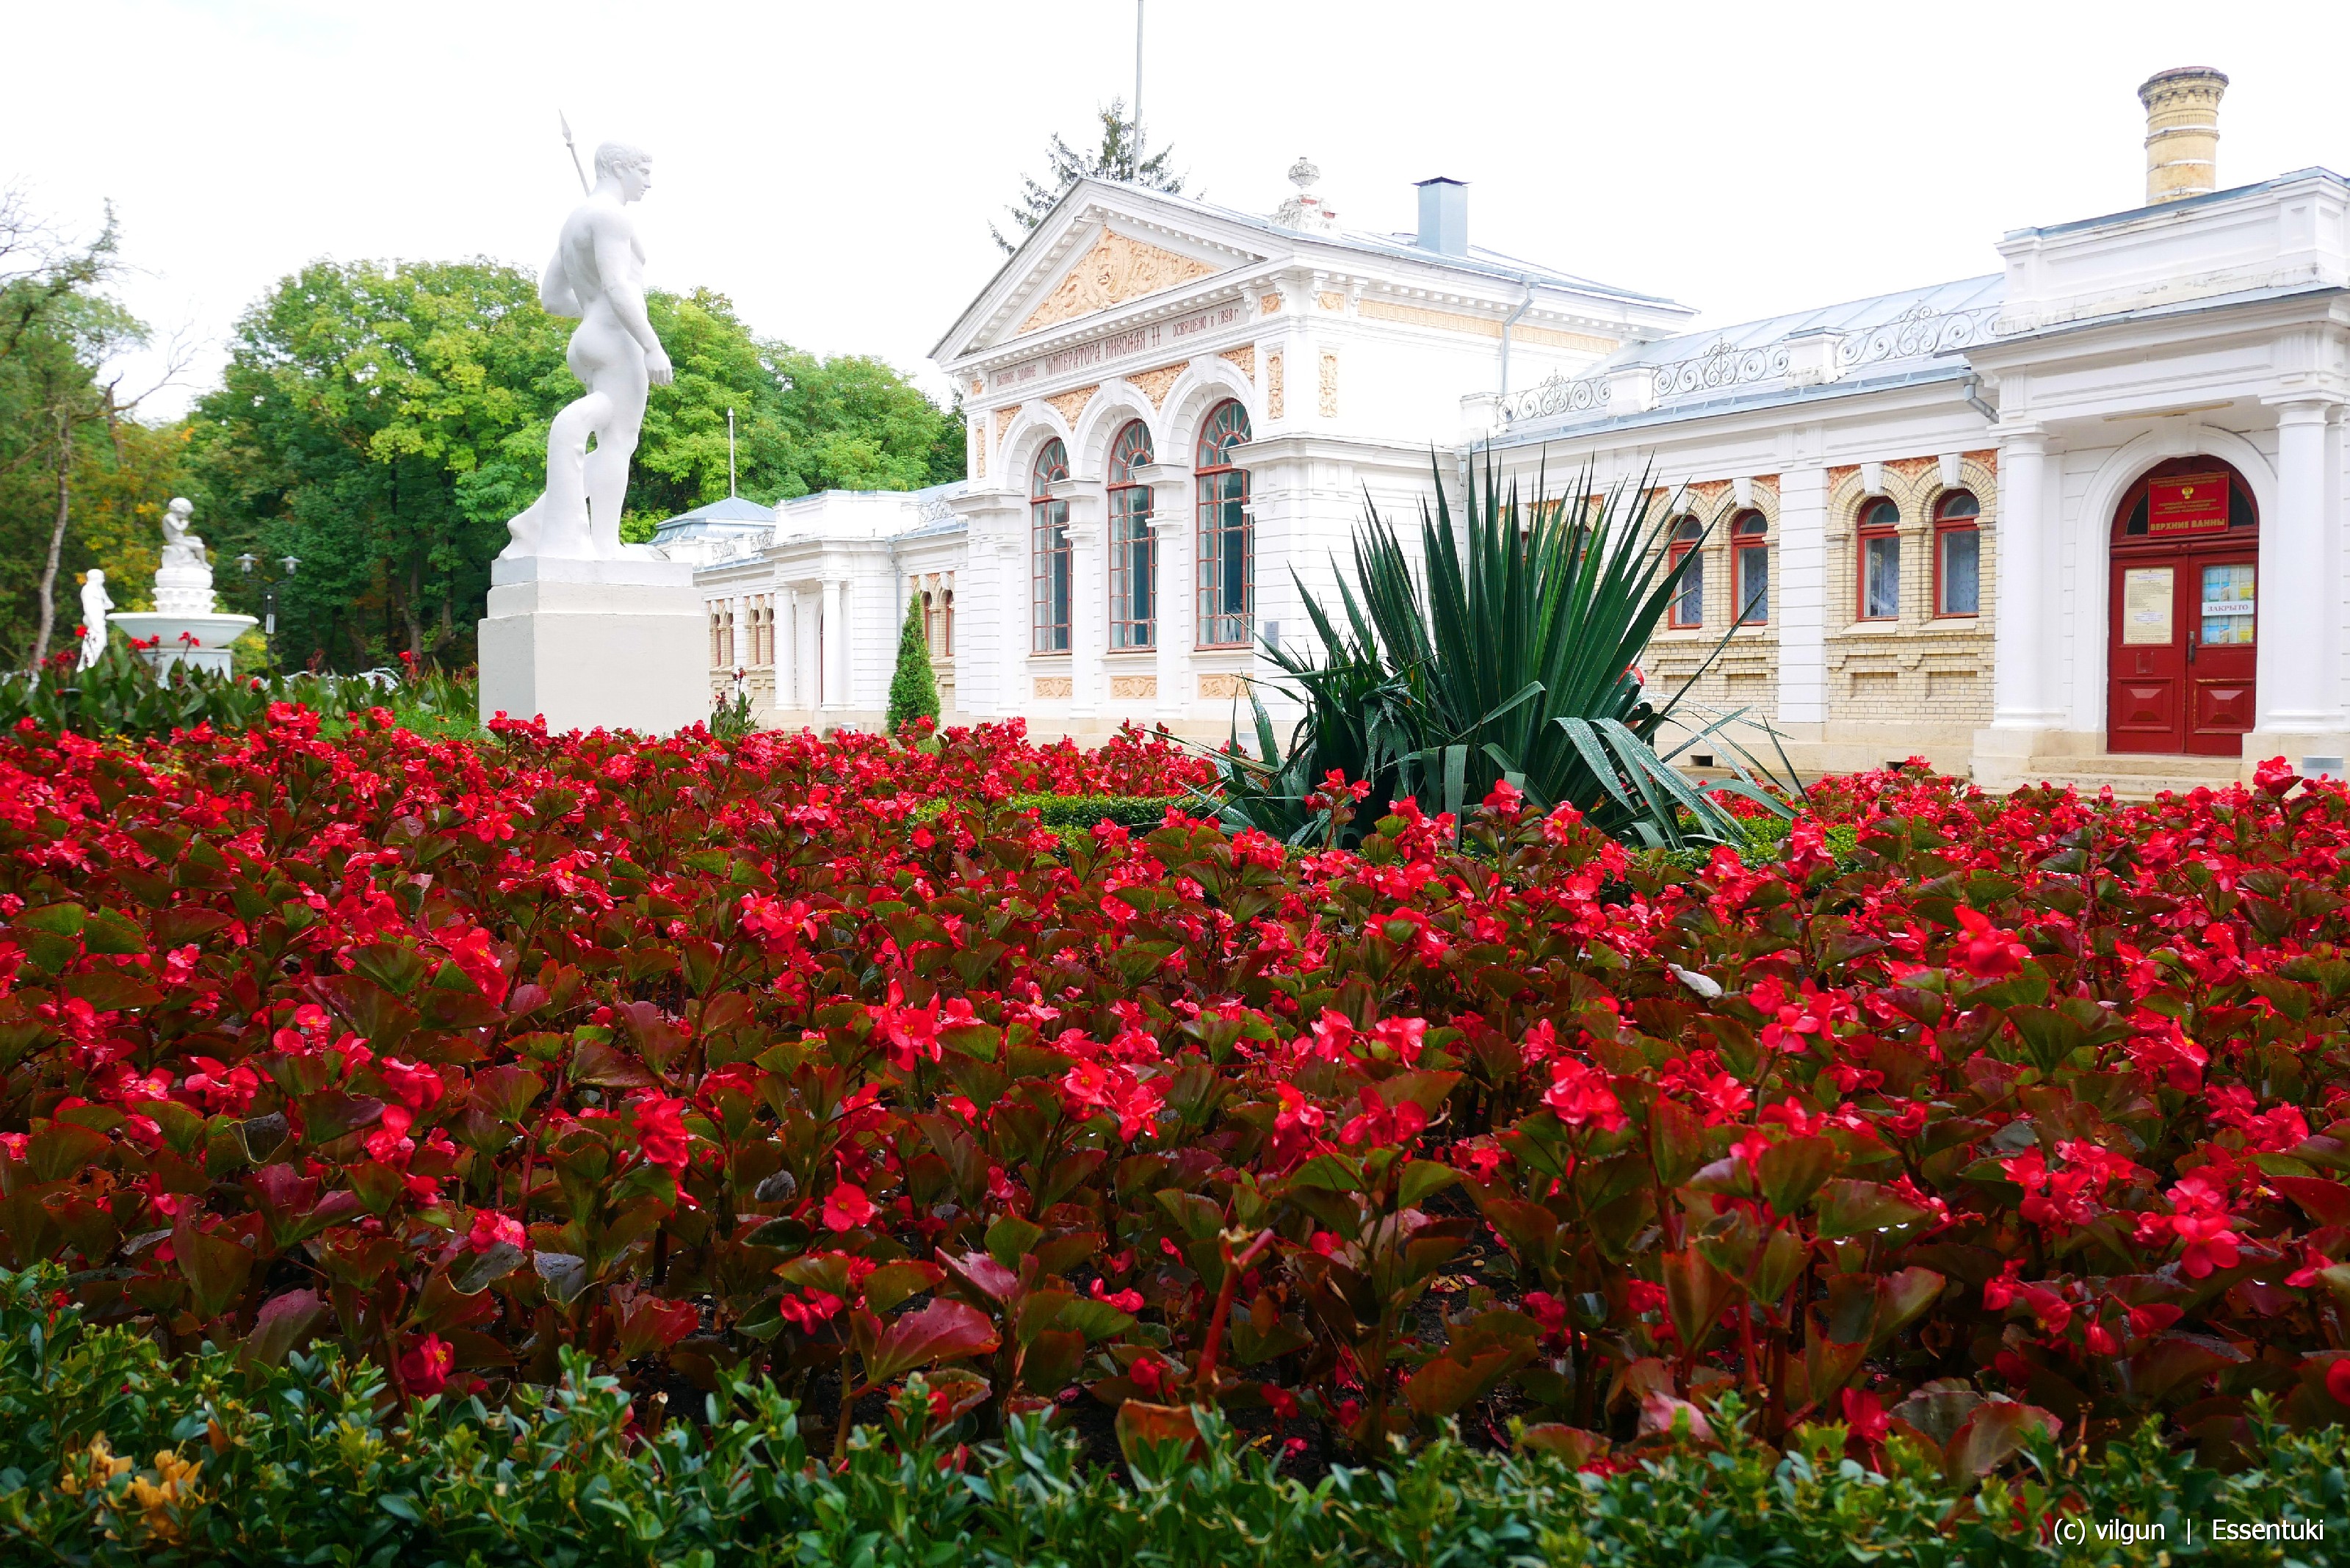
(1245, 357)
(1115, 270)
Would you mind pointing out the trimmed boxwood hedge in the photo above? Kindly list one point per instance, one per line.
(1135, 812)
(1072, 816)
(111, 1453)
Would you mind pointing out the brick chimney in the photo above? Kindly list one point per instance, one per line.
(2182, 133)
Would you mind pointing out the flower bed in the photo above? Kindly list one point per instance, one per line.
(689, 1058)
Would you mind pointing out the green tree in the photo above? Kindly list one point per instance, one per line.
(58, 331)
(1122, 156)
(802, 424)
(377, 422)
(913, 687)
(381, 423)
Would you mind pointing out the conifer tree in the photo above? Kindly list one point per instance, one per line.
(1122, 156)
(913, 689)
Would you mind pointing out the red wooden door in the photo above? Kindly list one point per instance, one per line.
(2183, 620)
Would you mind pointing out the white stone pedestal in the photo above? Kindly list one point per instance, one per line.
(595, 644)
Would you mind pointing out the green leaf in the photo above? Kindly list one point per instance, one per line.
(1421, 1178)
(1862, 1208)
(1791, 1171)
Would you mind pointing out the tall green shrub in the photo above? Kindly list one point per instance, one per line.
(913, 689)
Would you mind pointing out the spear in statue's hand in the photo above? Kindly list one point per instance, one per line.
(576, 169)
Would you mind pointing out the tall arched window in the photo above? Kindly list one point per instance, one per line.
(946, 644)
(1227, 565)
(1879, 558)
(1688, 607)
(1957, 554)
(1133, 548)
(1749, 550)
(1048, 551)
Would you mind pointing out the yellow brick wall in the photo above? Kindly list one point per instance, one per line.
(1746, 674)
(1917, 669)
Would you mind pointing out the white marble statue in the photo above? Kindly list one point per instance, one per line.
(181, 548)
(597, 274)
(183, 578)
(94, 608)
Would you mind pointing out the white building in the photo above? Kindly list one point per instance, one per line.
(2077, 518)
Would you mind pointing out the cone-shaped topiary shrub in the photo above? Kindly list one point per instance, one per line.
(913, 689)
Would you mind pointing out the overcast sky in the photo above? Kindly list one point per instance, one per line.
(834, 167)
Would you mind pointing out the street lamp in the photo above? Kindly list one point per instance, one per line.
(269, 582)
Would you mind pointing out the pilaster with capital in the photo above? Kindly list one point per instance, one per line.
(1170, 526)
(2300, 580)
(991, 632)
(1088, 504)
(1802, 610)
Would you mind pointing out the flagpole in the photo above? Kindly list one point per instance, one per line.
(730, 454)
(1137, 77)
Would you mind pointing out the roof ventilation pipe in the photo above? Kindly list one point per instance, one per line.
(1444, 217)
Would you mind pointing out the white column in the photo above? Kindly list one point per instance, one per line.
(2299, 574)
(786, 634)
(1801, 609)
(2023, 672)
(834, 695)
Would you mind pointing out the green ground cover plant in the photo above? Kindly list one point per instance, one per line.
(113, 1454)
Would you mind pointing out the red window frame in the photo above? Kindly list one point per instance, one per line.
(1227, 533)
(1880, 520)
(1049, 552)
(1688, 592)
(1958, 512)
(1133, 545)
(1750, 545)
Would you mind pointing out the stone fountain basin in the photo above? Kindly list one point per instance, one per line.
(212, 635)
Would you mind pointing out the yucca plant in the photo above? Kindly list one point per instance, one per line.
(1512, 653)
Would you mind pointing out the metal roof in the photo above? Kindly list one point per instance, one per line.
(731, 516)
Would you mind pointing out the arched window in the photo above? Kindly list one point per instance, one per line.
(1133, 548)
(929, 638)
(947, 642)
(1227, 564)
(1957, 554)
(1688, 607)
(1750, 574)
(1880, 560)
(1048, 551)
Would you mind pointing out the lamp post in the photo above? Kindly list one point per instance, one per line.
(269, 582)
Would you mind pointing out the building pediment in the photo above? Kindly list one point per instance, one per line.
(1102, 250)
